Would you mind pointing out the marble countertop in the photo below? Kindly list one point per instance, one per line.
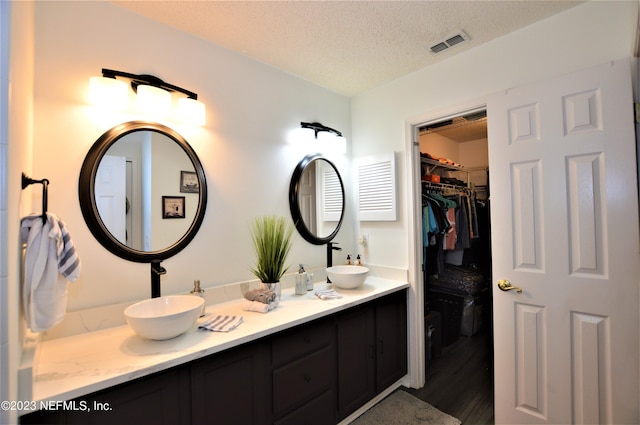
(74, 366)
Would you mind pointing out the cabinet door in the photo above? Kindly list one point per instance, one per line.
(232, 387)
(391, 339)
(158, 399)
(356, 359)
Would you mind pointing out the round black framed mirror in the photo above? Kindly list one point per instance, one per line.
(316, 199)
(142, 191)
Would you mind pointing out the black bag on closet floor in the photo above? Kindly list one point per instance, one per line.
(458, 280)
(456, 294)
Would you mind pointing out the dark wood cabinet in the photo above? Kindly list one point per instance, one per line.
(319, 411)
(316, 373)
(356, 359)
(232, 387)
(372, 350)
(391, 339)
(304, 373)
(159, 399)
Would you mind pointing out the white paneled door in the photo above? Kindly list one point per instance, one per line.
(110, 188)
(564, 217)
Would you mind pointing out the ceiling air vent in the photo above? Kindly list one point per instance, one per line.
(448, 42)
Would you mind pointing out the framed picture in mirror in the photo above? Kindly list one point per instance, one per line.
(189, 182)
(173, 207)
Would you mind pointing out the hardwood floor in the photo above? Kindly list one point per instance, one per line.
(460, 381)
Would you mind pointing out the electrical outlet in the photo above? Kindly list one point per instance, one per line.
(364, 239)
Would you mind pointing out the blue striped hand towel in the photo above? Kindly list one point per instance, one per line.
(49, 252)
(221, 323)
(327, 294)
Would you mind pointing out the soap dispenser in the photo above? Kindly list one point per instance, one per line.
(198, 292)
(301, 281)
(309, 281)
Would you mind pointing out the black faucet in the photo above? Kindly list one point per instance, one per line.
(330, 249)
(156, 271)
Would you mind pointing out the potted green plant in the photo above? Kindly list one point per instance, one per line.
(272, 238)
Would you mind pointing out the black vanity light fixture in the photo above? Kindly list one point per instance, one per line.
(327, 137)
(317, 127)
(153, 95)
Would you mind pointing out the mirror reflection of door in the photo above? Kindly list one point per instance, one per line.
(128, 211)
(110, 190)
(307, 197)
(132, 148)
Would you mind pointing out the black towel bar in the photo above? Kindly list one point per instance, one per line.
(26, 181)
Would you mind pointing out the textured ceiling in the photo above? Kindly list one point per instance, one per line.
(346, 46)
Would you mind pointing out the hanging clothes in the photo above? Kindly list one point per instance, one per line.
(432, 232)
(462, 221)
(450, 223)
(451, 237)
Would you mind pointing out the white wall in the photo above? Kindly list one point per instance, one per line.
(16, 136)
(583, 36)
(243, 148)
(4, 281)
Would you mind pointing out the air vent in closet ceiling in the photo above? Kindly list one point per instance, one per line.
(448, 42)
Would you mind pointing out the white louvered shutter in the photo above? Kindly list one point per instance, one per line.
(377, 188)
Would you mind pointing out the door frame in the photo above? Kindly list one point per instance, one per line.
(417, 364)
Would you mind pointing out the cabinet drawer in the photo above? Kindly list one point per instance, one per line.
(298, 382)
(299, 342)
(319, 411)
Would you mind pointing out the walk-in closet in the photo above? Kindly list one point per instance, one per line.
(457, 266)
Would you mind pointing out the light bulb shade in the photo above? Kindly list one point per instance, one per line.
(340, 145)
(191, 111)
(331, 143)
(326, 137)
(302, 136)
(154, 101)
(108, 92)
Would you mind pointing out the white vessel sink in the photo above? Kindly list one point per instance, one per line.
(164, 317)
(347, 277)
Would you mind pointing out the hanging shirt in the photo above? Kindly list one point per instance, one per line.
(451, 236)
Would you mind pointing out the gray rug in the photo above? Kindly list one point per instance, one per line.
(401, 408)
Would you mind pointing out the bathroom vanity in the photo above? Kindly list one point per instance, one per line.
(308, 361)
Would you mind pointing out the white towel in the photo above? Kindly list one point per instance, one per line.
(49, 254)
(221, 323)
(258, 306)
(327, 294)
